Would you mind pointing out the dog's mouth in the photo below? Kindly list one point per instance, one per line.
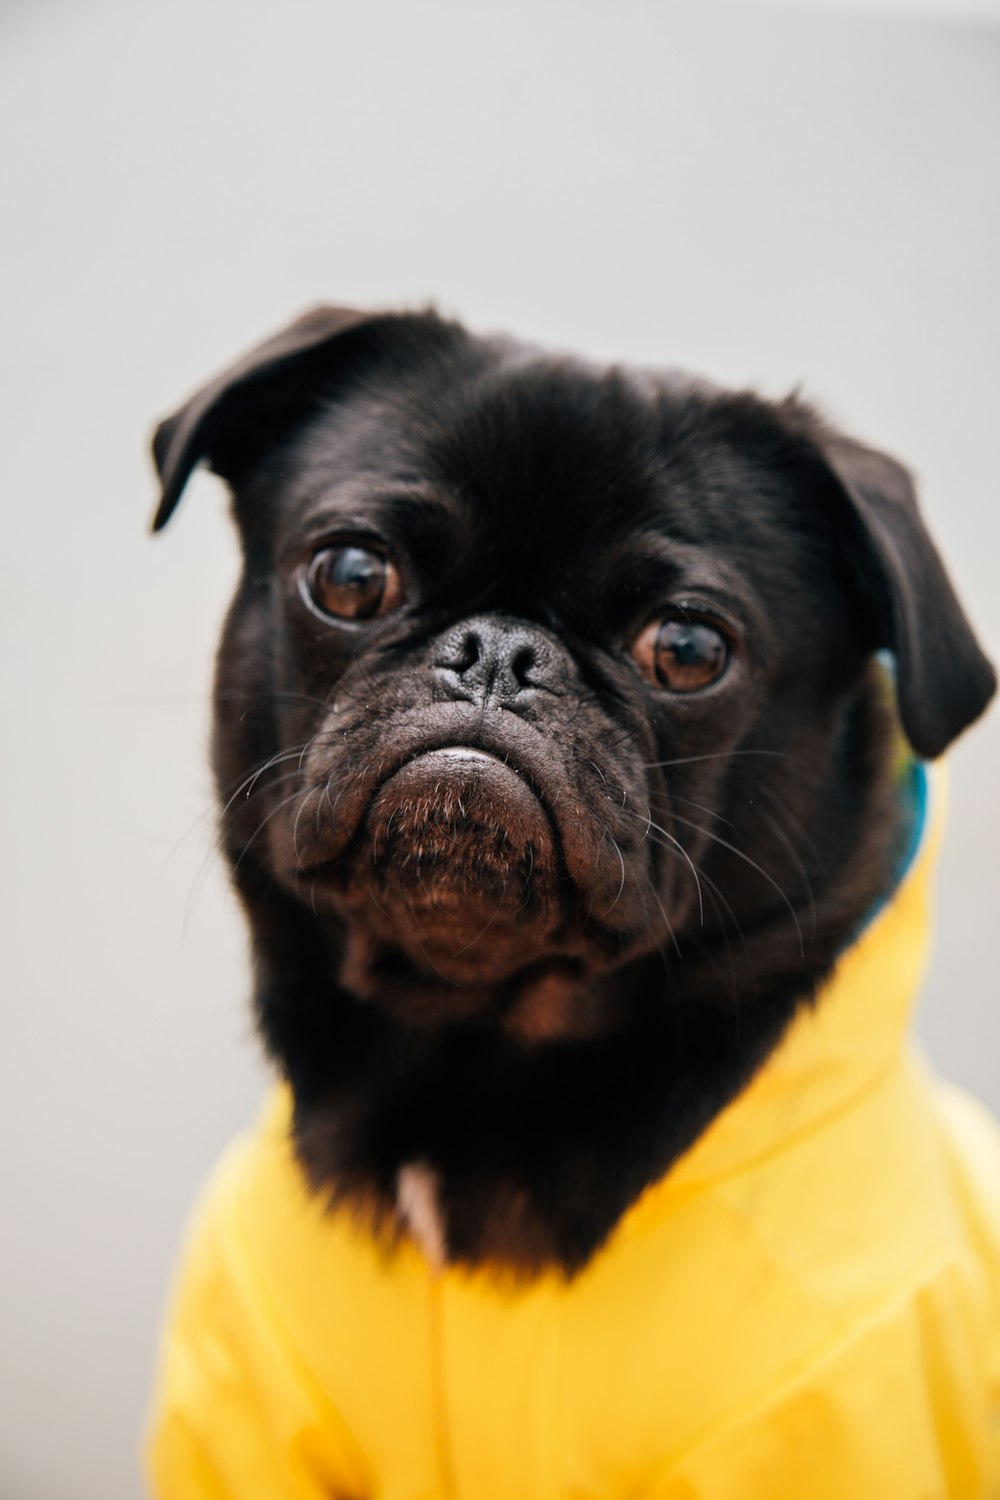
(445, 784)
(466, 865)
(456, 864)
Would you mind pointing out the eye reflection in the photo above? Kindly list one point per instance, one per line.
(681, 655)
(353, 583)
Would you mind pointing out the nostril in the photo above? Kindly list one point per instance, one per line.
(495, 660)
(463, 654)
(521, 664)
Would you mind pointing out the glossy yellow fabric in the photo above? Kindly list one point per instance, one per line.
(806, 1308)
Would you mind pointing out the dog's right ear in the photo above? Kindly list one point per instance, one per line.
(943, 679)
(239, 413)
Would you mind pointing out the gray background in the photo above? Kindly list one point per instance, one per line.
(770, 195)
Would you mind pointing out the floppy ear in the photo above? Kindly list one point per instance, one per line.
(943, 680)
(249, 404)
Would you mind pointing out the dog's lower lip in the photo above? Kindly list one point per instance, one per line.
(457, 753)
(463, 752)
(472, 754)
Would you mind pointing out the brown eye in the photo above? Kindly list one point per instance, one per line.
(351, 583)
(681, 655)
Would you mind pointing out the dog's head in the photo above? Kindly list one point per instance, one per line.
(544, 688)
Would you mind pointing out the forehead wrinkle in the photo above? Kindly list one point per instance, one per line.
(402, 502)
(651, 569)
(677, 556)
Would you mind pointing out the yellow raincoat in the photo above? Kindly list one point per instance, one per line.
(807, 1307)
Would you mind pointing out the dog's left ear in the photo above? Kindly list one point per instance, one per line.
(943, 680)
(246, 406)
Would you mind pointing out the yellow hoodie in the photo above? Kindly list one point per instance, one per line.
(807, 1307)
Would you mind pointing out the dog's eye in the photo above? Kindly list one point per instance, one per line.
(351, 583)
(681, 655)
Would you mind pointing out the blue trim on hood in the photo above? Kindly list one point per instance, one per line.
(915, 798)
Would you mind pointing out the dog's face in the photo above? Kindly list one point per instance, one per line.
(549, 737)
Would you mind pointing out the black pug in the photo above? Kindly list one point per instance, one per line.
(556, 758)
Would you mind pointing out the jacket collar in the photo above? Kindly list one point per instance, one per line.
(839, 1048)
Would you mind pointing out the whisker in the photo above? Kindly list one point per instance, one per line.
(722, 910)
(715, 892)
(249, 782)
(678, 845)
(690, 760)
(260, 700)
(796, 859)
(786, 812)
(773, 823)
(301, 792)
(725, 844)
(779, 832)
(672, 797)
(208, 813)
(213, 851)
(621, 861)
(655, 896)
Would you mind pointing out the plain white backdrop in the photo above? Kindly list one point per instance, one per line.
(774, 195)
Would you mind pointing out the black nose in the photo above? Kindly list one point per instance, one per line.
(493, 659)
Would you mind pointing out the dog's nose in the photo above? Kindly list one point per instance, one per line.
(492, 659)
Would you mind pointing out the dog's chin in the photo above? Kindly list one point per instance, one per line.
(451, 898)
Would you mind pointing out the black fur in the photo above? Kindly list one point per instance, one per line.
(543, 976)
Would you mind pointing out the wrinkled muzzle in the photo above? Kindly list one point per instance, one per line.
(469, 820)
(457, 863)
